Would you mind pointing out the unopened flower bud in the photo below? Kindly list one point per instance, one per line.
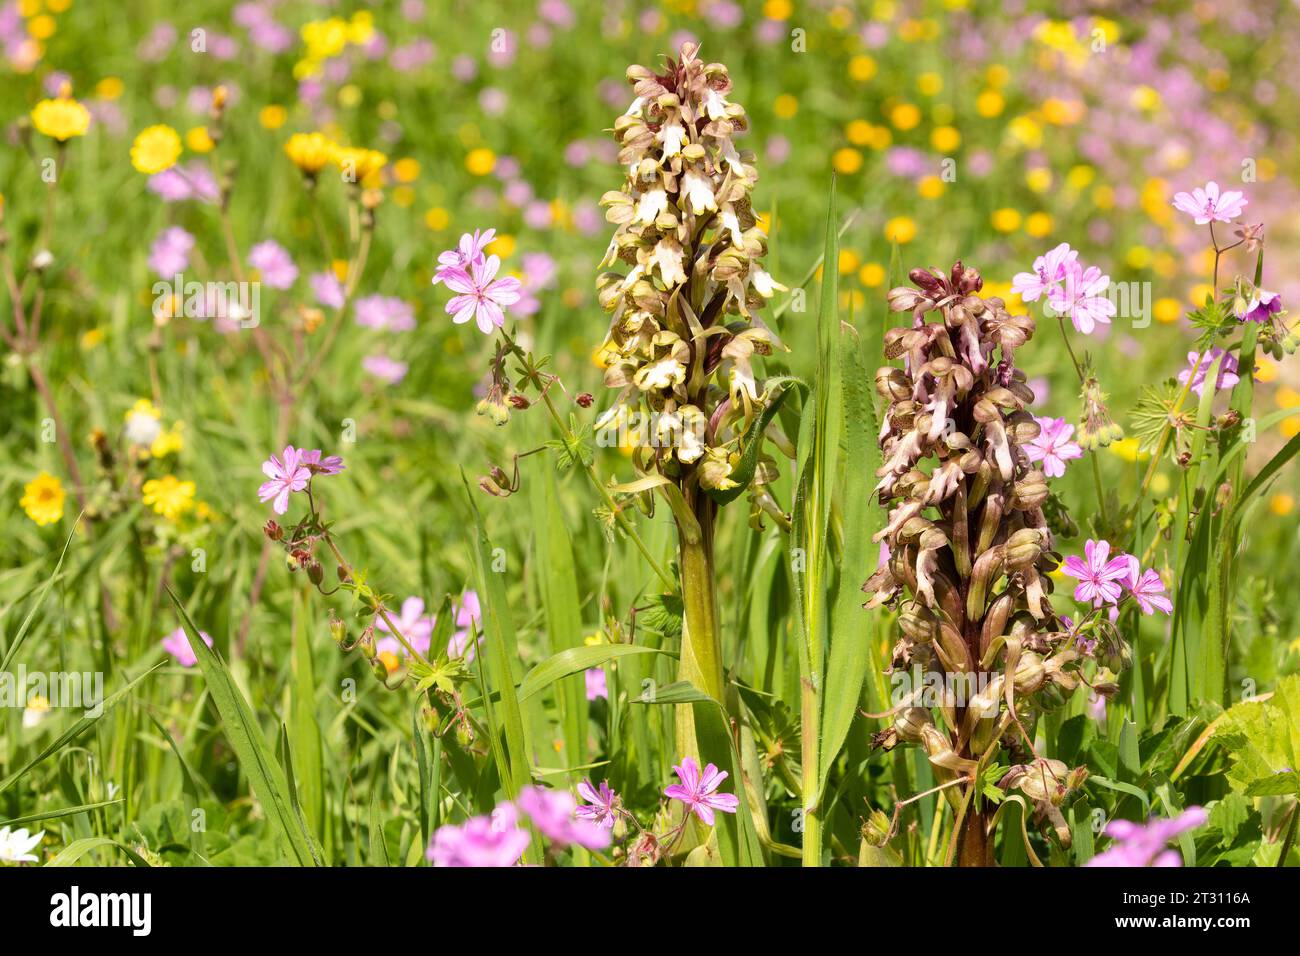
(585, 399)
(273, 531)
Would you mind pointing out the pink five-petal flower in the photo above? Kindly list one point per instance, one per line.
(1207, 205)
(698, 791)
(597, 684)
(554, 812)
(1079, 296)
(482, 296)
(1147, 588)
(414, 625)
(1053, 446)
(1262, 305)
(1100, 576)
(288, 474)
(600, 805)
(1227, 370)
(467, 253)
(1049, 270)
(322, 466)
(497, 840)
(1138, 845)
(178, 646)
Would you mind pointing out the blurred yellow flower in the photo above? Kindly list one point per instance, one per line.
(1079, 177)
(168, 496)
(1281, 504)
(931, 187)
(1266, 371)
(1061, 112)
(325, 38)
(905, 116)
(997, 75)
(503, 246)
(41, 27)
(785, 106)
(1103, 197)
(862, 68)
(169, 442)
(945, 139)
(848, 261)
(43, 499)
(198, 140)
(272, 116)
(109, 88)
(990, 104)
(859, 132)
(309, 151)
(437, 218)
(778, 9)
(872, 275)
(480, 161)
(61, 119)
(847, 160)
(359, 165)
(1026, 132)
(155, 148)
(1039, 179)
(406, 170)
(1005, 219)
(929, 84)
(1167, 310)
(1038, 224)
(1128, 449)
(901, 230)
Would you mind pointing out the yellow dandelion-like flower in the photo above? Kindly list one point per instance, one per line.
(272, 116)
(360, 165)
(155, 149)
(61, 119)
(199, 140)
(310, 151)
(43, 499)
(480, 161)
(169, 442)
(168, 496)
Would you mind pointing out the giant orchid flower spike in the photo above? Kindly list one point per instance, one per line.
(969, 549)
(684, 328)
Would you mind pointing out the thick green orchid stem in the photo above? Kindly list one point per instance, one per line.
(701, 660)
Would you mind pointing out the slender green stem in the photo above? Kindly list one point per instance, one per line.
(571, 439)
(1096, 466)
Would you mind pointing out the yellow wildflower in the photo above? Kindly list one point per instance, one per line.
(169, 496)
(155, 149)
(61, 119)
(43, 499)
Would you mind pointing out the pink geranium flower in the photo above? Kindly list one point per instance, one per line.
(1053, 446)
(322, 466)
(1227, 370)
(497, 840)
(1049, 271)
(554, 813)
(1208, 205)
(1147, 588)
(178, 646)
(597, 685)
(467, 617)
(699, 791)
(170, 253)
(467, 253)
(1100, 577)
(482, 296)
(1079, 296)
(413, 623)
(1138, 845)
(601, 804)
(287, 474)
